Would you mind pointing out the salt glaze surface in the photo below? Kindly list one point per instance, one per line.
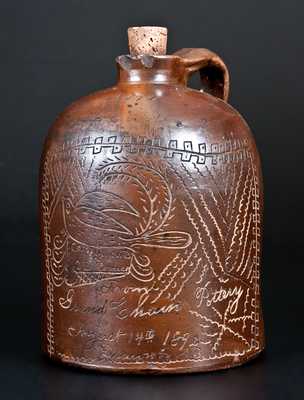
(151, 205)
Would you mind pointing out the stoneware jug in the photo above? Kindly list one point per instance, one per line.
(151, 201)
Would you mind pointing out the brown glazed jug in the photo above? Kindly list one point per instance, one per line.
(151, 204)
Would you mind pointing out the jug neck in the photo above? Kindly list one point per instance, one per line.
(150, 69)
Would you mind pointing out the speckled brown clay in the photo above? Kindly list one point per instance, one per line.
(151, 205)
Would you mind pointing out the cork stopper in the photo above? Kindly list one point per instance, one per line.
(150, 40)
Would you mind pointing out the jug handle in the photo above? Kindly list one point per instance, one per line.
(213, 71)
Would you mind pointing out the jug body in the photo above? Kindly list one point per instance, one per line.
(151, 206)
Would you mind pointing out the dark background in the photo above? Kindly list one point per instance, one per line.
(53, 52)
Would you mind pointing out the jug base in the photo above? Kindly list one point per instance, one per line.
(154, 369)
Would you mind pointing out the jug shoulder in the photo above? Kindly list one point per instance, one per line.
(197, 107)
(167, 111)
(84, 108)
